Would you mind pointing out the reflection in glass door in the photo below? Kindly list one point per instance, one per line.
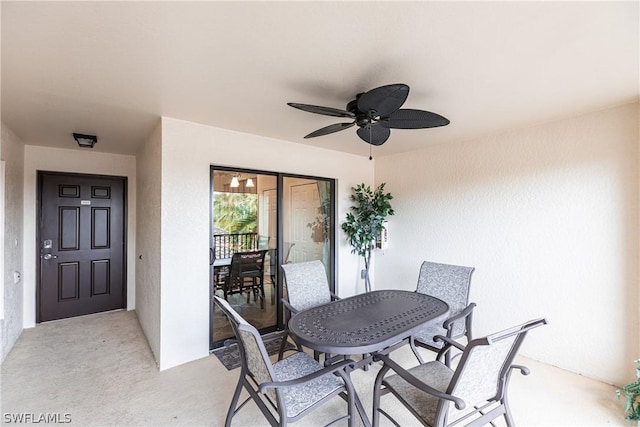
(307, 214)
(274, 218)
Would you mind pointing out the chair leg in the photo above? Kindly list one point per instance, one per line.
(234, 402)
(447, 359)
(283, 344)
(412, 343)
(351, 398)
(507, 413)
(377, 390)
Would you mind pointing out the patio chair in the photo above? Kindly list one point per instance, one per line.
(287, 390)
(475, 393)
(307, 286)
(451, 284)
(246, 275)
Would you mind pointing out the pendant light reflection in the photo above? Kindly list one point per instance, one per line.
(234, 182)
(249, 183)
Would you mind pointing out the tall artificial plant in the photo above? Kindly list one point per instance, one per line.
(631, 395)
(365, 222)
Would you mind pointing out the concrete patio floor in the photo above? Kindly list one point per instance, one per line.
(98, 370)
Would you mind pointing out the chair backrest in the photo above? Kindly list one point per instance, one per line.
(483, 370)
(449, 283)
(254, 357)
(245, 264)
(307, 284)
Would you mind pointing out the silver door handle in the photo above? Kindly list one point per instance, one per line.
(49, 256)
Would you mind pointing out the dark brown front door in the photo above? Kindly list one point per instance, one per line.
(82, 245)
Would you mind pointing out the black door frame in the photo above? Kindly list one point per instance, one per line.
(280, 176)
(39, 179)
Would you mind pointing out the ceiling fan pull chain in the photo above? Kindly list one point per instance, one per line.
(370, 138)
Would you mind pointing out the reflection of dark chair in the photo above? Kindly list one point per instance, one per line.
(288, 389)
(246, 274)
(451, 284)
(475, 393)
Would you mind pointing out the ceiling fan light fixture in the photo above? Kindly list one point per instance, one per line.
(234, 182)
(249, 183)
(85, 141)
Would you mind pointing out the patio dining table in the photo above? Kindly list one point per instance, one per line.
(369, 323)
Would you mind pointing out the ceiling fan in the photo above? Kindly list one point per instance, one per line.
(376, 112)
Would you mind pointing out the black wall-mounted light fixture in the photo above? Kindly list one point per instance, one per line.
(86, 141)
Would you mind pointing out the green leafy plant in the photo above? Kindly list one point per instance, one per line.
(631, 393)
(365, 222)
(235, 212)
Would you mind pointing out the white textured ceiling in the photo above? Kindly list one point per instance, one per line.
(112, 68)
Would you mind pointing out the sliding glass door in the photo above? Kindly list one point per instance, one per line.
(275, 219)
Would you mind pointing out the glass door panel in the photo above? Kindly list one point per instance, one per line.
(289, 218)
(244, 218)
(307, 217)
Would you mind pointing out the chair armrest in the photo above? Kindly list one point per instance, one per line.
(317, 374)
(288, 306)
(449, 343)
(404, 374)
(467, 312)
(334, 297)
(523, 369)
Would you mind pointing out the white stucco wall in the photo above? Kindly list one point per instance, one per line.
(548, 215)
(12, 322)
(73, 161)
(148, 261)
(188, 150)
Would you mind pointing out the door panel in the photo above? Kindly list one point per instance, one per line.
(305, 205)
(82, 245)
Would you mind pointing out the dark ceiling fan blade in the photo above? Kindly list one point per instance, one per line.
(325, 111)
(413, 119)
(330, 129)
(374, 134)
(384, 100)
